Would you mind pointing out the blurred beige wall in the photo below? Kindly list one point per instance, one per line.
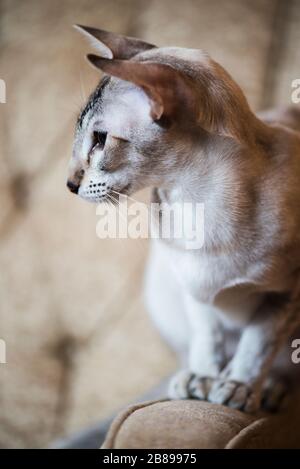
(79, 342)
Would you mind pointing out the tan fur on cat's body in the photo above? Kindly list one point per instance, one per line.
(191, 134)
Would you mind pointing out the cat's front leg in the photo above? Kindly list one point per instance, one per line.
(241, 383)
(205, 356)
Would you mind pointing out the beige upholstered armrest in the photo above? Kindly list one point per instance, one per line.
(196, 424)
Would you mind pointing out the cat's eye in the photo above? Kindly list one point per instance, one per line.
(99, 139)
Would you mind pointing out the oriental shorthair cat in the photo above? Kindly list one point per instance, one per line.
(173, 119)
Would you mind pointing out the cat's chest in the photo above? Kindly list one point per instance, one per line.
(206, 275)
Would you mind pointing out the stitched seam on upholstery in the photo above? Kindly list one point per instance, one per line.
(129, 413)
(248, 427)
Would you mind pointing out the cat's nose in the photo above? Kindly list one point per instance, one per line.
(73, 187)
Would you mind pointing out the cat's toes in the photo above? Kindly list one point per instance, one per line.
(179, 385)
(274, 395)
(199, 387)
(188, 385)
(235, 395)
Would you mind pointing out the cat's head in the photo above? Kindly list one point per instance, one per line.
(140, 126)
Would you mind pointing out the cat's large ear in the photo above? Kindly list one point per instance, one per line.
(110, 45)
(170, 92)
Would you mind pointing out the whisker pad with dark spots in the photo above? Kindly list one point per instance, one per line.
(95, 191)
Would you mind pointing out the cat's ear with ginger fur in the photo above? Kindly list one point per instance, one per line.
(211, 99)
(170, 92)
(111, 45)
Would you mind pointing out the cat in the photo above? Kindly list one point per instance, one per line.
(173, 119)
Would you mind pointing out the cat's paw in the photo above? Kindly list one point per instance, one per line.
(179, 385)
(235, 395)
(200, 386)
(188, 385)
(274, 395)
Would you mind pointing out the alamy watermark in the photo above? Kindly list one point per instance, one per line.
(2, 91)
(296, 353)
(295, 96)
(2, 341)
(2, 351)
(179, 222)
